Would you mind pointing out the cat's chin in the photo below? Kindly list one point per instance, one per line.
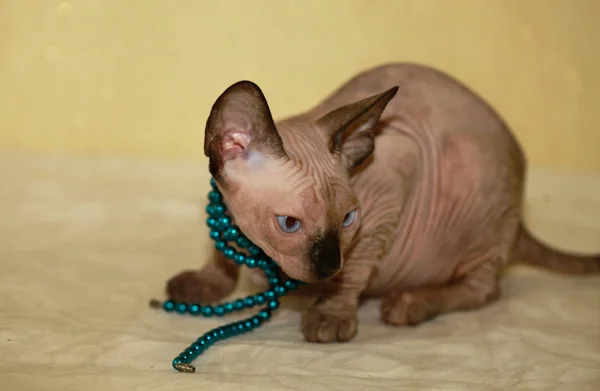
(308, 277)
(298, 273)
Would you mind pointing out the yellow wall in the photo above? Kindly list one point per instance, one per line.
(138, 77)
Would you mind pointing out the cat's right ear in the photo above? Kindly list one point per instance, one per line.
(351, 128)
(239, 123)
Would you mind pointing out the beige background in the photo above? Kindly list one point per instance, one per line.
(136, 78)
(86, 241)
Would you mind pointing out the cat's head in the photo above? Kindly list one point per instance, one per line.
(287, 185)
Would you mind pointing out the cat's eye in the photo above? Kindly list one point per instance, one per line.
(349, 219)
(289, 224)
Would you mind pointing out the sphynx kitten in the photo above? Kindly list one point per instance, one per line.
(403, 184)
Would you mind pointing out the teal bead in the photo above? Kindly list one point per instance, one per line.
(274, 281)
(249, 302)
(256, 321)
(217, 210)
(270, 294)
(241, 327)
(239, 258)
(209, 339)
(224, 222)
(253, 250)
(270, 265)
(212, 222)
(222, 333)
(185, 357)
(198, 347)
(220, 246)
(215, 335)
(273, 305)
(214, 234)
(181, 308)
(232, 233)
(243, 241)
(270, 273)
(169, 305)
(219, 310)
(251, 263)
(249, 325)
(232, 329)
(291, 284)
(262, 264)
(176, 362)
(228, 307)
(280, 290)
(201, 342)
(259, 298)
(207, 311)
(210, 209)
(213, 184)
(264, 314)
(238, 304)
(194, 309)
(229, 253)
(214, 196)
(190, 351)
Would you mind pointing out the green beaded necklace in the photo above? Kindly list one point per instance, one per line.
(223, 232)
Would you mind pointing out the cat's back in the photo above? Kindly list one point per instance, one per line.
(431, 107)
(419, 86)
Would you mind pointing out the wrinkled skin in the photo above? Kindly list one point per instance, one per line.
(405, 186)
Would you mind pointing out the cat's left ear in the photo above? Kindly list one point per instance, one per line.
(350, 128)
(239, 123)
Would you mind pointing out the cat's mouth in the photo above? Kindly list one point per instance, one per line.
(296, 270)
(300, 269)
(307, 274)
(321, 262)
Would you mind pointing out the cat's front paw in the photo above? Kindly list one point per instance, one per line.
(408, 308)
(319, 325)
(204, 286)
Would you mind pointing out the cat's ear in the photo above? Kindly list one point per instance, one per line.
(240, 122)
(350, 128)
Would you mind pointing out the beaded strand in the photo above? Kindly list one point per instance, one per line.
(223, 232)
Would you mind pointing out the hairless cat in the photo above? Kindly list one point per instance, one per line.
(403, 184)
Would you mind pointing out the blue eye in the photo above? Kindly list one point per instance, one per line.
(289, 224)
(349, 219)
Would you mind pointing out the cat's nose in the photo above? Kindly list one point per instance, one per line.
(325, 256)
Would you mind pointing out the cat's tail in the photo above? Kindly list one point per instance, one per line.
(531, 251)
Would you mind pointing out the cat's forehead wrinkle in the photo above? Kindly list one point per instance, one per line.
(302, 140)
(340, 196)
(312, 173)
